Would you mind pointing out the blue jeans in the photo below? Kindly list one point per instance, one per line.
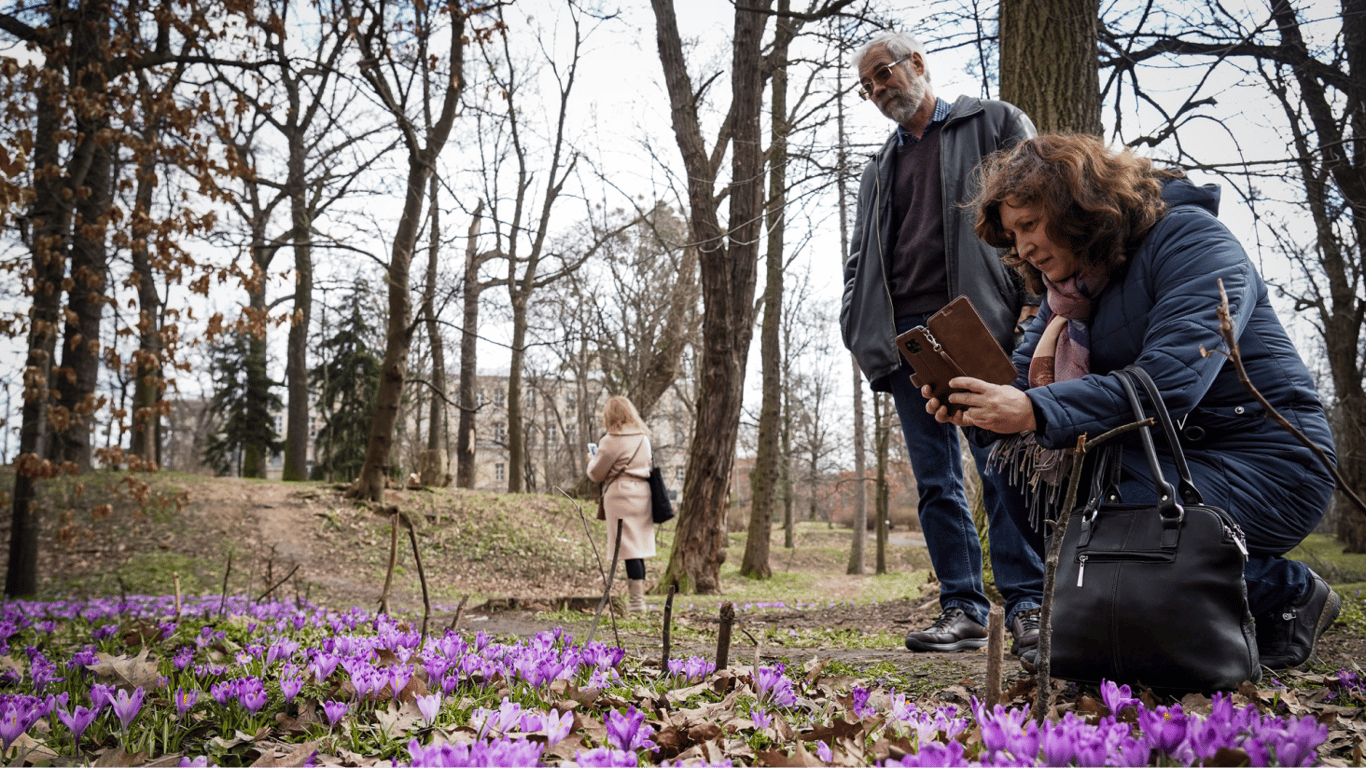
(946, 521)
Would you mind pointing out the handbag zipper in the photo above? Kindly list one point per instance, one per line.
(1105, 556)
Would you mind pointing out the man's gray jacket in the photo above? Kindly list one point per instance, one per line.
(973, 129)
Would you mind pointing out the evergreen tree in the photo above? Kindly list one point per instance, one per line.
(248, 427)
(347, 382)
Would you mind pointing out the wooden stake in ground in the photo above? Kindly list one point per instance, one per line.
(668, 624)
(223, 604)
(996, 631)
(723, 635)
(459, 611)
(393, 560)
(607, 591)
(175, 579)
(422, 579)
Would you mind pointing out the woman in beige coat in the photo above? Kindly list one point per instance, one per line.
(622, 464)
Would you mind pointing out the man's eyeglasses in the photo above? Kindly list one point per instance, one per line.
(880, 76)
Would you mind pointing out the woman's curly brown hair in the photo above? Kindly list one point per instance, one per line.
(1097, 201)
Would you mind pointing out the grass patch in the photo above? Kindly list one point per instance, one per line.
(1324, 554)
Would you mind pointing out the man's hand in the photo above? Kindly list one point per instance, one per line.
(999, 408)
(1027, 314)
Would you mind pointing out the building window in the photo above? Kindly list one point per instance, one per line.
(499, 472)
(500, 433)
(678, 478)
(571, 397)
(499, 397)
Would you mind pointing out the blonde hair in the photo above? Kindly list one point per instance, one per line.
(619, 415)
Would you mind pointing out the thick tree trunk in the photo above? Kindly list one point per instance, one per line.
(469, 382)
(728, 260)
(296, 355)
(398, 336)
(89, 256)
(764, 481)
(145, 442)
(1049, 66)
(435, 459)
(50, 216)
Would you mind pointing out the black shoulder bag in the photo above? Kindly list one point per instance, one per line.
(1153, 594)
(661, 509)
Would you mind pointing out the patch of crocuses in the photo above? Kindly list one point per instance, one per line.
(235, 683)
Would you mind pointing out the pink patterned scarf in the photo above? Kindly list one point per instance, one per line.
(1062, 353)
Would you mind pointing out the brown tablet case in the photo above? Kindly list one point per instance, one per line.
(954, 342)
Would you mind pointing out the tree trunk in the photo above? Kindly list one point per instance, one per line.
(764, 481)
(515, 437)
(145, 442)
(296, 361)
(435, 461)
(728, 261)
(89, 256)
(1059, 90)
(50, 217)
(469, 383)
(376, 49)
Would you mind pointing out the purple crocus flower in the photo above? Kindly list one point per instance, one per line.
(199, 762)
(14, 720)
(933, 753)
(182, 658)
(101, 695)
(760, 717)
(824, 752)
(253, 699)
(606, 757)
(399, 677)
(76, 721)
(1116, 697)
(127, 707)
(334, 710)
(221, 692)
(861, 707)
(628, 731)
(429, 706)
(184, 701)
(290, 687)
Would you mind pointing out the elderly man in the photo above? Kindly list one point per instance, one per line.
(913, 251)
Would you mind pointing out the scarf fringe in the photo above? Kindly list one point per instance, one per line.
(1040, 472)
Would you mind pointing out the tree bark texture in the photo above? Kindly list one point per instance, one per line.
(469, 382)
(764, 481)
(91, 181)
(728, 260)
(1049, 63)
(435, 464)
(296, 362)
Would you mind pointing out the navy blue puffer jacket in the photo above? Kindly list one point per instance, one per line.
(1159, 313)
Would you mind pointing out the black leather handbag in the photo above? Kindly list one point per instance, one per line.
(1152, 594)
(661, 509)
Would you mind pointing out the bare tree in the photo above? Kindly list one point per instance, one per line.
(1316, 80)
(522, 234)
(402, 72)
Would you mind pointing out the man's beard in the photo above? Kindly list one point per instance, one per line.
(904, 103)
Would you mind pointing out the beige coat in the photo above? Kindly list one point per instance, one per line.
(628, 497)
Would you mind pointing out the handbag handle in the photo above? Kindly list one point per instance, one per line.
(1172, 513)
(1185, 485)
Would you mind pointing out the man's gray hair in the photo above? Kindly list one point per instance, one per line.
(898, 44)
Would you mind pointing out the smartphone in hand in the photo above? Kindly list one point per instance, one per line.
(592, 449)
